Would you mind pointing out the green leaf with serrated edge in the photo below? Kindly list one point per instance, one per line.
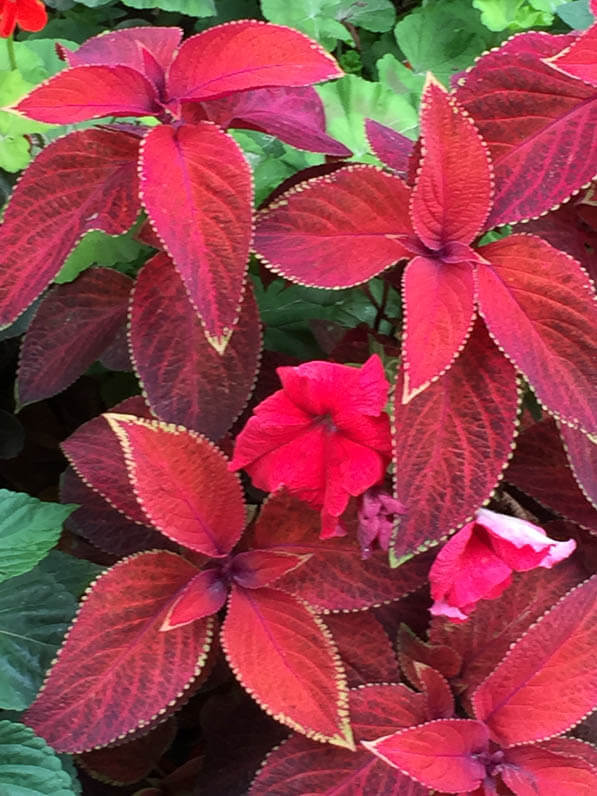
(351, 100)
(316, 18)
(28, 529)
(98, 248)
(28, 766)
(74, 574)
(443, 38)
(512, 15)
(193, 8)
(34, 615)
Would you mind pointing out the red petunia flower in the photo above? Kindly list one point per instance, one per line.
(324, 436)
(27, 14)
(478, 561)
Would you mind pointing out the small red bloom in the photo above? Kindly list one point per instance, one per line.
(324, 436)
(376, 516)
(27, 14)
(478, 561)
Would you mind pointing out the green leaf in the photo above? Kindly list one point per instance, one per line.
(576, 14)
(375, 15)
(443, 38)
(98, 248)
(28, 766)
(74, 574)
(35, 612)
(351, 100)
(399, 79)
(193, 8)
(28, 529)
(515, 15)
(45, 49)
(316, 18)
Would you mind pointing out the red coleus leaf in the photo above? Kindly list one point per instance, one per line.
(527, 294)
(582, 455)
(201, 168)
(338, 230)
(295, 115)
(182, 484)
(442, 755)
(116, 672)
(284, 657)
(453, 192)
(185, 379)
(90, 92)
(364, 648)
(85, 181)
(324, 436)
(202, 596)
(412, 650)
(336, 577)
(478, 561)
(540, 462)
(452, 442)
(246, 54)
(547, 682)
(392, 148)
(546, 768)
(579, 59)
(435, 687)
(72, 327)
(524, 108)
(298, 766)
(254, 569)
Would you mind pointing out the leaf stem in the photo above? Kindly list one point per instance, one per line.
(10, 48)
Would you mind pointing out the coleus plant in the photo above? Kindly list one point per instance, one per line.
(153, 612)
(186, 172)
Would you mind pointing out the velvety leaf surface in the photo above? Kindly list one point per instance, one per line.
(73, 325)
(85, 181)
(254, 569)
(86, 702)
(182, 482)
(299, 766)
(90, 92)
(579, 60)
(539, 768)
(365, 648)
(438, 694)
(28, 765)
(539, 462)
(547, 682)
(284, 657)
(442, 755)
(202, 596)
(34, 615)
(338, 230)
(295, 115)
(452, 442)
(453, 191)
(185, 379)
(335, 577)
(527, 296)
(201, 169)
(97, 458)
(484, 639)
(247, 54)
(524, 109)
(125, 47)
(439, 316)
(582, 455)
(390, 147)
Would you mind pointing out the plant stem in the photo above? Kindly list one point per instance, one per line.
(12, 61)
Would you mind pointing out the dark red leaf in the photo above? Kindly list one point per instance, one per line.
(582, 455)
(116, 671)
(85, 181)
(185, 379)
(284, 657)
(452, 196)
(182, 482)
(196, 187)
(547, 682)
(438, 694)
(202, 596)
(73, 325)
(392, 148)
(452, 442)
(338, 230)
(540, 462)
(90, 92)
(528, 294)
(364, 648)
(524, 109)
(116, 356)
(543, 768)
(257, 568)
(442, 755)
(247, 54)
(411, 650)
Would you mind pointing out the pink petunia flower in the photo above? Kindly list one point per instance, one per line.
(324, 436)
(478, 561)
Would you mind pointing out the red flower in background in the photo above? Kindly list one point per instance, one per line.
(27, 14)
(324, 436)
(478, 561)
